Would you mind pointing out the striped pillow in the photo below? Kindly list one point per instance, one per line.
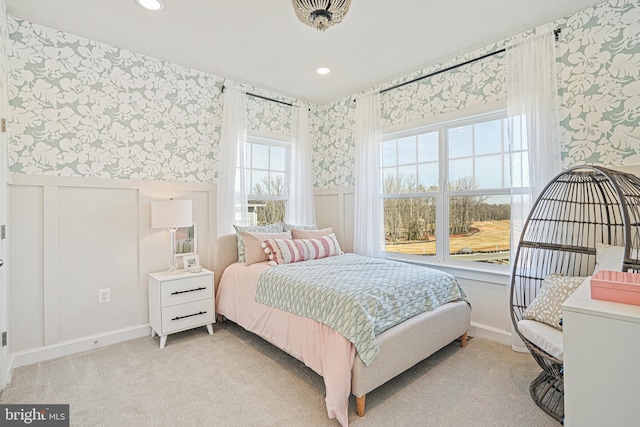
(286, 251)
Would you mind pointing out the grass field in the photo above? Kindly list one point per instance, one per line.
(492, 236)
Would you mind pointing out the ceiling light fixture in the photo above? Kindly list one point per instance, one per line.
(323, 70)
(321, 14)
(154, 5)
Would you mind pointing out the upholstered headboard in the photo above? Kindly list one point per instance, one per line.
(225, 253)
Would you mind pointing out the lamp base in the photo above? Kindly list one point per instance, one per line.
(173, 267)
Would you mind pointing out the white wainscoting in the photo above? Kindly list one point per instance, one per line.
(69, 237)
(334, 208)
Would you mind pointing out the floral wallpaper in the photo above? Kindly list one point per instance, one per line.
(599, 57)
(334, 150)
(599, 90)
(466, 87)
(82, 108)
(4, 37)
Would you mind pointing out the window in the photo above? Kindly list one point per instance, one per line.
(266, 180)
(446, 190)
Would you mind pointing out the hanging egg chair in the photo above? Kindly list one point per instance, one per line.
(580, 209)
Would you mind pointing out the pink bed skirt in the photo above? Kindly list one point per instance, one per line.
(316, 345)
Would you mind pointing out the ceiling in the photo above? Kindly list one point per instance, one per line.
(261, 42)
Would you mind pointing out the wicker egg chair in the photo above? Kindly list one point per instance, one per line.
(579, 208)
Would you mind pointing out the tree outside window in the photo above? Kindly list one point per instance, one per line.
(466, 219)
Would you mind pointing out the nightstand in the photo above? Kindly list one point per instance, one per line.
(180, 301)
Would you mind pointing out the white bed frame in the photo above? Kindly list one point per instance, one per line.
(401, 347)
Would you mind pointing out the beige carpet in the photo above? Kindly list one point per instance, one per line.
(236, 379)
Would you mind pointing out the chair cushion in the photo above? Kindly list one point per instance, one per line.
(543, 336)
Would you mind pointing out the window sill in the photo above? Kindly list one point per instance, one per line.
(496, 274)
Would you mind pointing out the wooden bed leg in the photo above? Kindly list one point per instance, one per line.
(463, 340)
(360, 405)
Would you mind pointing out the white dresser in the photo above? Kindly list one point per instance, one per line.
(601, 361)
(180, 301)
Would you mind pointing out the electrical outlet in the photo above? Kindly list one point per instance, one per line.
(104, 295)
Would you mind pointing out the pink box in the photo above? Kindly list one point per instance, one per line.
(616, 286)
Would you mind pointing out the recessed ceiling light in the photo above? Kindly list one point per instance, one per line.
(151, 4)
(323, 70)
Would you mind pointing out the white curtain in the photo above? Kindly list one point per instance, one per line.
(300, 207)
(533, 123)
(232, 192)
(368, 235)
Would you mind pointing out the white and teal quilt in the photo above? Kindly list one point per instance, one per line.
(358, 296)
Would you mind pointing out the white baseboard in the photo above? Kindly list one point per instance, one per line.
(67, 348)
(490, 333)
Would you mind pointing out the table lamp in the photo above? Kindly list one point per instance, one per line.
(171, 214)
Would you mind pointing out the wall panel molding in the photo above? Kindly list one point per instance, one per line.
(67, 219)
(72, 181)
(51, 273)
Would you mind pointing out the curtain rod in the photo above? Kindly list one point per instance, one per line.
(265, 98)
(444, 70)
(556, 33)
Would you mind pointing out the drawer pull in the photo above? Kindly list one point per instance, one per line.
(189, 290)
(189, 315)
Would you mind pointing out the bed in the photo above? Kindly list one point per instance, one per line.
(321, 347)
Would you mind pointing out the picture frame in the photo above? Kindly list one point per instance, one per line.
(186, 241)
(191, 262)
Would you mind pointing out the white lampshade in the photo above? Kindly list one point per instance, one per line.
(171, 214)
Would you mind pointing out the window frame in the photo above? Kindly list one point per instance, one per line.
(443, 195)
(269, 141)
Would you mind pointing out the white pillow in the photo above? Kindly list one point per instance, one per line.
(609, 257)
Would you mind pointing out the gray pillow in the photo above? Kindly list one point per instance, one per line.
(288, 227)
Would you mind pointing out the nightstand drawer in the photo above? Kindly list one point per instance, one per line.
(186, 290)
(186, 316)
